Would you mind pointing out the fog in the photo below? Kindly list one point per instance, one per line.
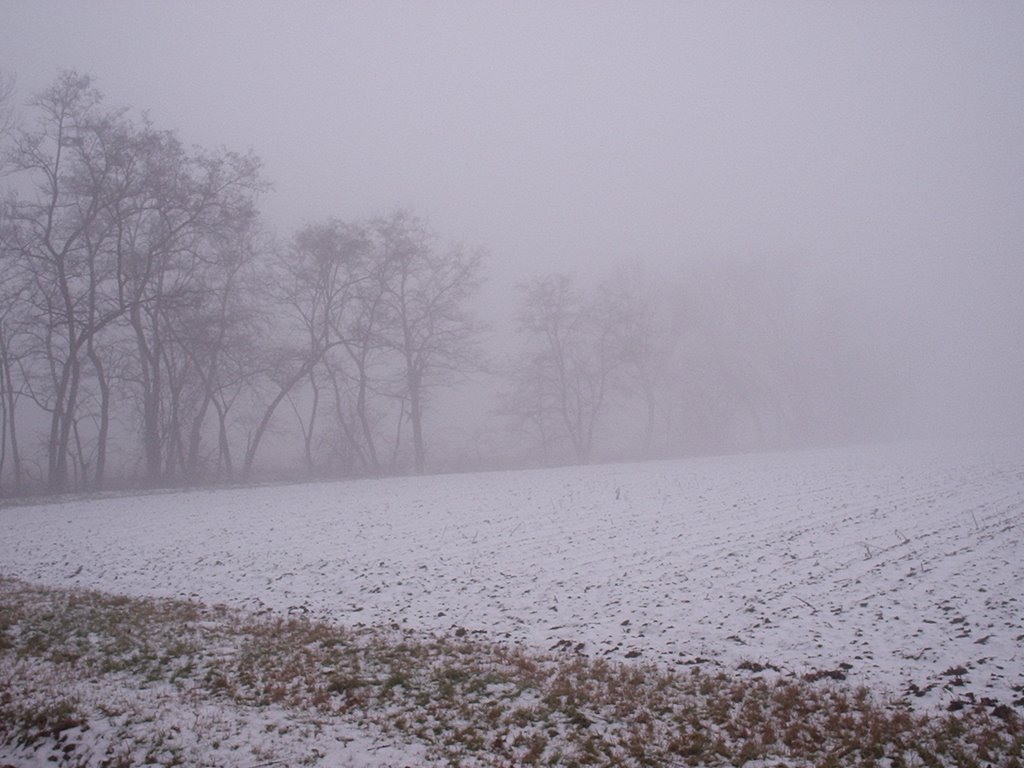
(868, 156)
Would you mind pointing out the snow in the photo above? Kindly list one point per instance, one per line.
(891, 563)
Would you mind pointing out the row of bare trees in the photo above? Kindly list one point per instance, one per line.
(728, 357)
(142, 306)
(382, 309)
(114, 237)
(152, 331)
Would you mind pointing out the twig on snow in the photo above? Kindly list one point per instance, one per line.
(813, 609)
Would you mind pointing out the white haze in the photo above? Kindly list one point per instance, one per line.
(878, 148)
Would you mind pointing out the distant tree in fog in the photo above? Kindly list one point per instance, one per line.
(112, 247)
(80, 159)
(773, 351)
(221, 340)
(598, 359)
(428, 324)
(311, 284)
(648, 326)
(12, 287)
(363, 381)
(727, 357)
(181, 243)
(562, 383)
(12, 331)
(378, 314)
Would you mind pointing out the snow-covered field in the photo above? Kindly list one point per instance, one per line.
(894, 564)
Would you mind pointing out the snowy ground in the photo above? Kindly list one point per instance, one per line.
(901, 566)
(175, 728)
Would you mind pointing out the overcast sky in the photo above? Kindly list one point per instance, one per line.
(881, 140)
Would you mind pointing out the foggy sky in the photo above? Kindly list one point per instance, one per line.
(882, 143)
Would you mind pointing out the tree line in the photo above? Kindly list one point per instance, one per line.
(141, 293)
(145, 310)
(728, 357)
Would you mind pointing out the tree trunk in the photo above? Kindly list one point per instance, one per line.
(339, 407)
(224, 447)
(59, 445)
(10, 411)
(195, 436)
(398, 437)
(99, 472)
(364, 419)
(150, 397)
(254, 443)
(416, 417)
(308, 441)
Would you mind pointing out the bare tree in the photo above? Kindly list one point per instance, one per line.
(429, 325)
(530, 402)
(362, 333)
(220, 339)
(118, 242)
(12, 288)
(190, 203)
(649, 322)
(313, 282)
(572, 355)
(79, 160)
